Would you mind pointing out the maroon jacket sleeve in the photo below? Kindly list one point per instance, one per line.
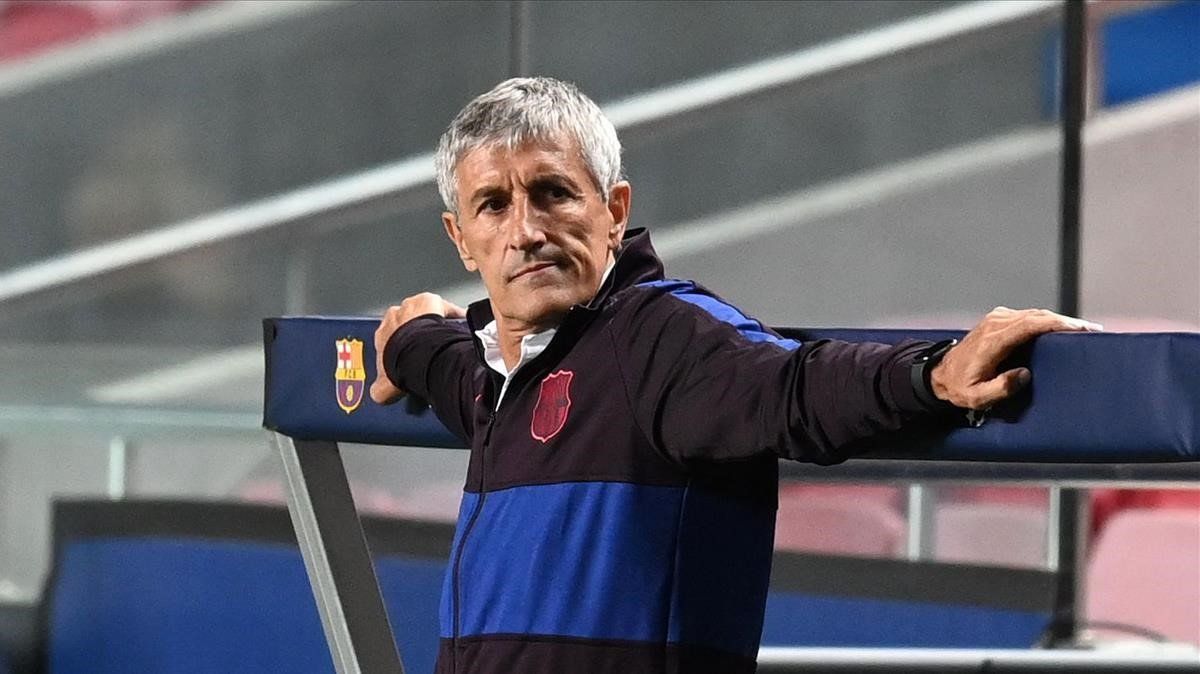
(701, 391)
(434, 359)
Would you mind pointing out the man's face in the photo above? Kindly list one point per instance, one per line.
(531, 222)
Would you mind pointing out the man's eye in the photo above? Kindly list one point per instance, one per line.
(557, 192)
(493, 205)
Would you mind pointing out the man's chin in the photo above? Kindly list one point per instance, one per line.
(544, 306)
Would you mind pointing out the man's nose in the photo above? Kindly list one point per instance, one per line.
(525, 231)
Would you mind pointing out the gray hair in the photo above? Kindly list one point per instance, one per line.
(522, 109)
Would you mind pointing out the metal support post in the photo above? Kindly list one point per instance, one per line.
(118, 468)
(298, 276)
(922, 502)
(1053, 522)
(335, 553)
(1070, 555)
(518, 38)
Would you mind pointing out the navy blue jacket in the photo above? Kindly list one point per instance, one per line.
(619, 507)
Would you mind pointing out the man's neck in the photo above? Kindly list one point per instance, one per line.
(510, 331)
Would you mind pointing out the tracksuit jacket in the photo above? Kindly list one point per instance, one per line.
(619, 508)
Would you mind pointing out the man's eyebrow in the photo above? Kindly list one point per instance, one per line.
(554, 177)
(485, 192)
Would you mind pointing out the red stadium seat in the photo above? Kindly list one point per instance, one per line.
(31, 26)
(1108, 502)
(1145, 573)
(893, 497)
(836, 525)
(996, 534)
(1025, 496)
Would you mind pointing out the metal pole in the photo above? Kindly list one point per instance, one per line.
(337, 559)
(1070, 553)
(921, 506)
(518, 38)
(1074, 77)
(297, 277)
(118, 468)
(1053, 526)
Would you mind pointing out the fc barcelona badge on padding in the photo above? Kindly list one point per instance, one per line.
(350, 377)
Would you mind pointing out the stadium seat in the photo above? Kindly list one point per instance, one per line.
(834, 525)
(28, 27)
(1145, 572)
(888, 495)
(997, 534)
(1027, 496)
(1108, 502)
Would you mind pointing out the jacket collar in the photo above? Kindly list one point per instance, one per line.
(637, 262)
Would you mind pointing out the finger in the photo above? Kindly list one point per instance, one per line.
(384, 392)
(454, 311)
(1082, 325)
(988, 393)
(1068, 322)
(1043, 322)
(378, 394)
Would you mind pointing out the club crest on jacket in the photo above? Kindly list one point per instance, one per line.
(350, 377)
(553, 404)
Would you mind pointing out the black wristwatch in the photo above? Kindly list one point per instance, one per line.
(919, 376)
(922, 369)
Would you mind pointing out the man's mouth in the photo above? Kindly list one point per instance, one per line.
(532, 269)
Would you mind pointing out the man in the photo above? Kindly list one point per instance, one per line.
(624, 428)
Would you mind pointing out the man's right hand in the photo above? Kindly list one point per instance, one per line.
(383, 390)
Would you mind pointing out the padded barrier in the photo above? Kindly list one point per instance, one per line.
(196, 587)
(1096, 397)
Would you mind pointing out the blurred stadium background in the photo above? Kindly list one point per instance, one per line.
(175, 170)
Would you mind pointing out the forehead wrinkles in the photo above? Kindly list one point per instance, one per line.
(493, 162)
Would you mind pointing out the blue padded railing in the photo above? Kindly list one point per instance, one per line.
(1096, 397)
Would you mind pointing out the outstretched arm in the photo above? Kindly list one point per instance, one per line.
(702, 389)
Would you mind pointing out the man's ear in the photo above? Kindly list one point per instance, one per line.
(454, 231)
(618, 208)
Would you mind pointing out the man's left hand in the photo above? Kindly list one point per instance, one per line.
(967, 376)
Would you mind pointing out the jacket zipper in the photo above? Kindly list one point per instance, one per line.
(514, 388)
(462, 543)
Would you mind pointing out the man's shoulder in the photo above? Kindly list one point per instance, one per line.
(649, 291)
(676, 298)
(676, 295)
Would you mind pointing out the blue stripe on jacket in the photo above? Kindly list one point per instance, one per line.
(612, 560)
(583, 559)
(751, 329)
